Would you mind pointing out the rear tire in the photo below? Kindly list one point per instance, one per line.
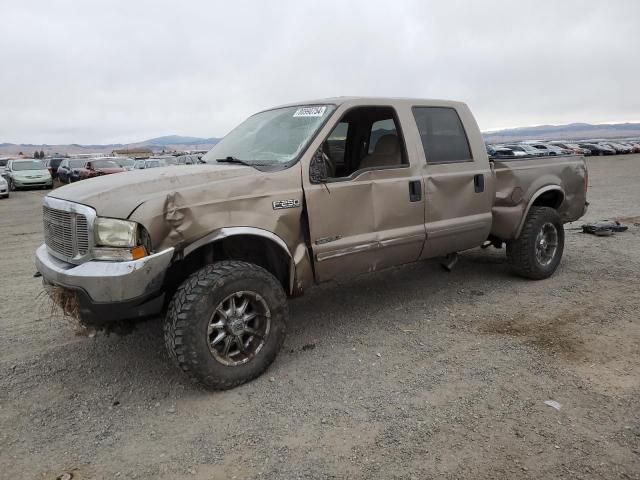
(536, 254)
(226, 323)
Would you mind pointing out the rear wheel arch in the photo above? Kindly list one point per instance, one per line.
(551, 196)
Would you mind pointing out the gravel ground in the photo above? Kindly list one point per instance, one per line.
(406, 373)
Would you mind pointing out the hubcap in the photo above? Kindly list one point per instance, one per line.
(238, 328)
(546, 244)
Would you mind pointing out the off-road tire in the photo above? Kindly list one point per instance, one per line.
(521, 253)
(190, 310)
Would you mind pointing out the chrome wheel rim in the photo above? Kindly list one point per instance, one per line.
(238, 328)
(546, 244)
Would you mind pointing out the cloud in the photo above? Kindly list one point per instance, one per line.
(121, 71)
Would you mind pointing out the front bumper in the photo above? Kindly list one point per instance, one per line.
(32, 182)
(110, 290)
(107, 281)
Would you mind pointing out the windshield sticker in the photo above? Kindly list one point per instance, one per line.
(310, 112)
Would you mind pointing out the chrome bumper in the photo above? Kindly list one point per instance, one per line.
(107, 282)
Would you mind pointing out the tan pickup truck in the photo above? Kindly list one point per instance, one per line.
(294, 196)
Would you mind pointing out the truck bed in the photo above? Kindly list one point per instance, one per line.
(557, 181)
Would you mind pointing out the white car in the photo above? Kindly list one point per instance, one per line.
(27, 173)
(4, 188)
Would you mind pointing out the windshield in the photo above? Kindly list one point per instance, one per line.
(77, 163)
(272, 137)
(104, 164)
(125, 162)
(28, 165)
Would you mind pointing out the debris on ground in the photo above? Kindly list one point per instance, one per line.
(605, 228)
(553, 403)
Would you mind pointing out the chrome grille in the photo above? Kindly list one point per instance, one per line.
(82, 234)
(66, 233)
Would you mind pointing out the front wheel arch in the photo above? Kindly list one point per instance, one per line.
(263, 251)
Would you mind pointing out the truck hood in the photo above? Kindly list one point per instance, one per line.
(117, 196)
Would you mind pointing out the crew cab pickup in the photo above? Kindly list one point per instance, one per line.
(294, 196)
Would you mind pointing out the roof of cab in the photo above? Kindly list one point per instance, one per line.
(373, 101)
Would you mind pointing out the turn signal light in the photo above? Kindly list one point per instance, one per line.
(138, 252)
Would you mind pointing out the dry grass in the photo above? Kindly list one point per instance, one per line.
(62, 304)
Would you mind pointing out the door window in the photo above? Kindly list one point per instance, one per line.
(337, 143)
(443, 137)
(378, 130)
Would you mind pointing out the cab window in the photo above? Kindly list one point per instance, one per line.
(443, 137)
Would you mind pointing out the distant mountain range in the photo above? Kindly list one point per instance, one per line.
(572, 131)
(170, 143)
(167, 143)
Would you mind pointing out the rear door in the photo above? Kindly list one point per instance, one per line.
(458, 180)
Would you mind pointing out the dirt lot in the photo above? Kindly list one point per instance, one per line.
(408, 373)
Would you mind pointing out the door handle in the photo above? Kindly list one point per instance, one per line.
(415, 190)
(478, 183)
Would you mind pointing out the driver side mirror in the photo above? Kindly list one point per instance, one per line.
(318, 168)
(89, 166)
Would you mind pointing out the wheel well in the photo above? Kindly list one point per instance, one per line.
(551, 198)
(249, 248)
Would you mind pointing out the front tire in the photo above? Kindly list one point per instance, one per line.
(536, 254)
(226, 323)
(12, 186)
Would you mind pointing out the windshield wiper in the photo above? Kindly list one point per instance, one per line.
(238, 161)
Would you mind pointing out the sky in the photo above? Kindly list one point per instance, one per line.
(95, 72)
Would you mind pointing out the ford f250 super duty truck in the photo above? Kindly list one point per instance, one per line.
(294, 196)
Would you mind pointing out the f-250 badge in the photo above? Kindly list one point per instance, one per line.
(280, 204)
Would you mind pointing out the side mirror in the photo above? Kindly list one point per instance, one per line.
(318, 168)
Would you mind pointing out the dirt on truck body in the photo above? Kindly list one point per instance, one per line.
(294, 196)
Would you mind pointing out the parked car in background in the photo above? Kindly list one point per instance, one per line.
(167, 159)
(496, 151)
(544, 148)
(517, 151)
(527, 149)
(69, 169)
(3, 165)
(635, 147)
(573, 147)
(597, 149)
(619, 149)
(188, 160)
(99, 166)
(52, 165)
(125, 162)
(4, 188)
(149, 163)
(559, 150)
(27, 173)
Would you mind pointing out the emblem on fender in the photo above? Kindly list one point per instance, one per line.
(280, 204)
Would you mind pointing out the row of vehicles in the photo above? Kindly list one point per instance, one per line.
(69, 170)
(21, 173)
(533, 148)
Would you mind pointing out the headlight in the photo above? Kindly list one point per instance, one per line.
(116, 233)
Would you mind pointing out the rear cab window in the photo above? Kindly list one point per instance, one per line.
(443, 137)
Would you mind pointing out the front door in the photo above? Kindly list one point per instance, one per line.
(370, 214)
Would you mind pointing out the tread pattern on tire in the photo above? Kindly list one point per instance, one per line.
(198, 284)
(518, 253)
